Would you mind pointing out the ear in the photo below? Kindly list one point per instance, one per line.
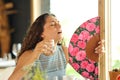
(42, 35)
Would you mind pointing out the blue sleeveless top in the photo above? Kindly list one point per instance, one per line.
(53, 65)
(50, 66)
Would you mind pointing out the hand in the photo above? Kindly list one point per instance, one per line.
(100, 49)
(45, 47)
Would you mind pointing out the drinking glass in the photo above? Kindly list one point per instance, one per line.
(55, 78)
(16, 48)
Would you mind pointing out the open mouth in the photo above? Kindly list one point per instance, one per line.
(59, 32)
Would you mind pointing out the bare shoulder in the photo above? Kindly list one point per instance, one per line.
(26, 58)
(65, 49)
(25, 55)
(23, 60)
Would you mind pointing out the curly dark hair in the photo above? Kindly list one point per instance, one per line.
(33, 33)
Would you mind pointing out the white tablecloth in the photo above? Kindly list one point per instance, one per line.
(6, 72)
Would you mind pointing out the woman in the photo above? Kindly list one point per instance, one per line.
(38, 47)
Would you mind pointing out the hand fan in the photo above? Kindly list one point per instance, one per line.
(82, 46)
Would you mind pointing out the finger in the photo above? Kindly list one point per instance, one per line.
(98, 47)
(101, 42)
(100, 50)
(44, 46)
(96, 51)
(48, 51)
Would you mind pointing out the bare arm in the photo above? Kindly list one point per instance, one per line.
(28, 58)
(25, 59)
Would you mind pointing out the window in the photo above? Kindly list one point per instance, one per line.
(73, 13)
(115, 31)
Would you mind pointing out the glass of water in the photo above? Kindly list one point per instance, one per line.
(16, 48)
(55, 78)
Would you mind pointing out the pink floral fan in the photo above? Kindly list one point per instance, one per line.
(81, 49)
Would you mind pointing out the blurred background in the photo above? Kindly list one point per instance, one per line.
(71, 13)
(17, 21)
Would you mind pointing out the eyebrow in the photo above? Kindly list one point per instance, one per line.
(55, 21)
(52, 21)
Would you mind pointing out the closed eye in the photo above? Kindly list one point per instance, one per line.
(52, 23)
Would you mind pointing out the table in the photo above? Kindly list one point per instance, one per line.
(6, 72)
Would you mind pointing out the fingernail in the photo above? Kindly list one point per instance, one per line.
(99, 42)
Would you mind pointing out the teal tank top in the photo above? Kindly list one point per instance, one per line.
(49, 66)
(53, 65)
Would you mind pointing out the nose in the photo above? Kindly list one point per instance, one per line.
(58, 25)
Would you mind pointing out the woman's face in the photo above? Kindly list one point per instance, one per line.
(52, 29)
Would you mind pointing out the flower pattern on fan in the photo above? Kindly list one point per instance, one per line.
(77, 54)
